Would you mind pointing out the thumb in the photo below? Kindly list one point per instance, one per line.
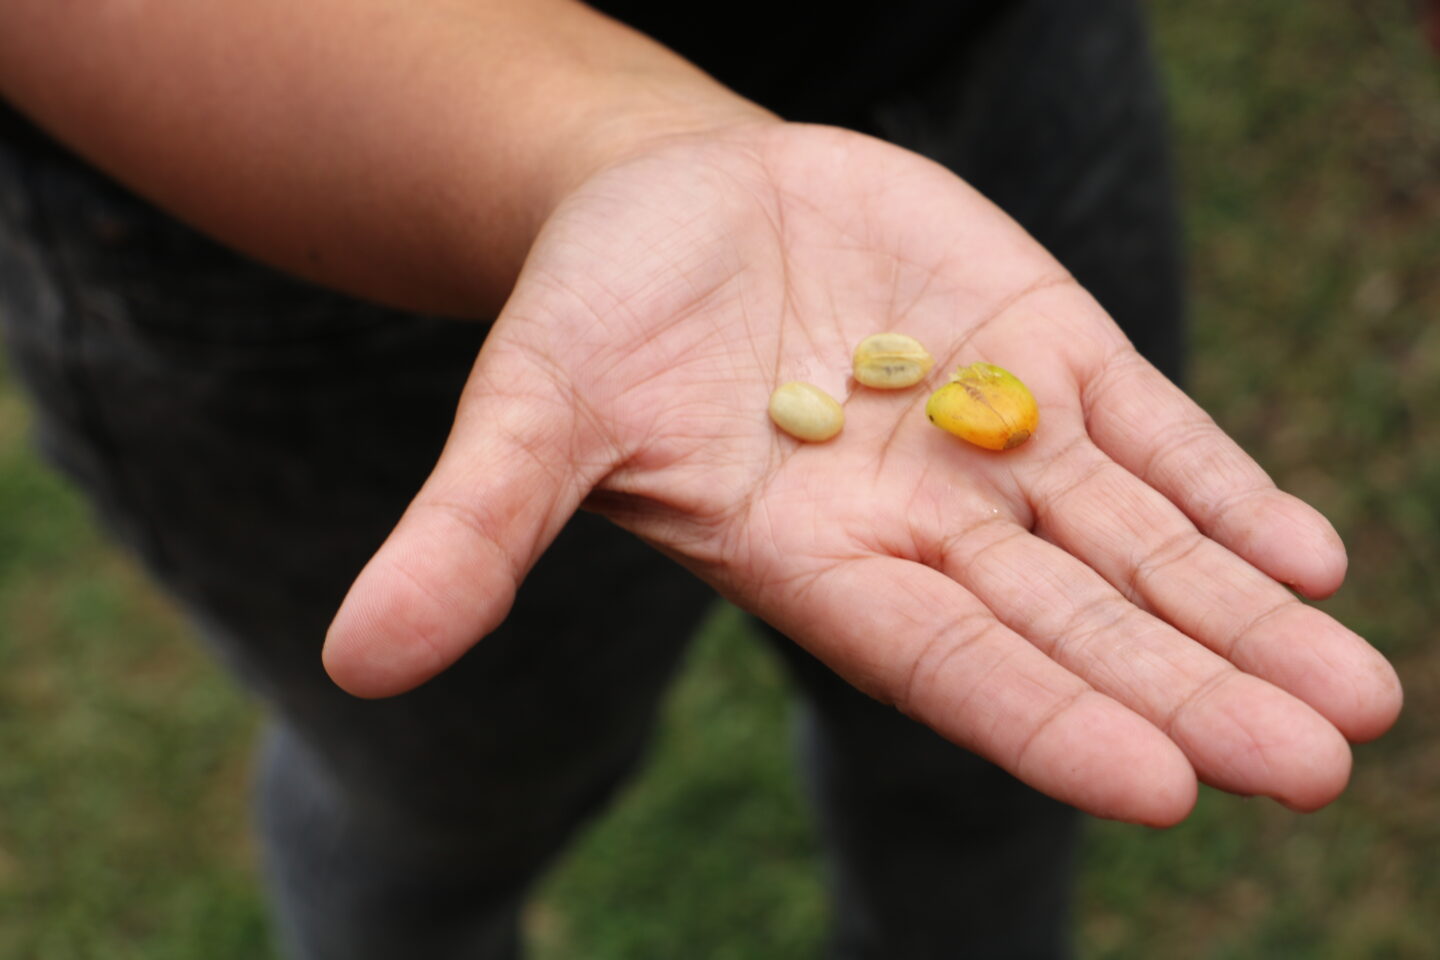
(511, 475)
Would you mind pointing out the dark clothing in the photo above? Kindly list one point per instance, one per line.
(253, 439)
(804, 61)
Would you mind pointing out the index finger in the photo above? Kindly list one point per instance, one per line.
(1149, 426)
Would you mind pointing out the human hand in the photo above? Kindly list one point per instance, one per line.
(1097, 612)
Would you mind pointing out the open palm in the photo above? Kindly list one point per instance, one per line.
(1100, 611)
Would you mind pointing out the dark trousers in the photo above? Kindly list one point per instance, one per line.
(253, 439)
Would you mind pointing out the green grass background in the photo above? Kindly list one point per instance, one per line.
(1309, 144)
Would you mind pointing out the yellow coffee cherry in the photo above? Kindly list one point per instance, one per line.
(806, 412)
(891, 361)
(986, 405)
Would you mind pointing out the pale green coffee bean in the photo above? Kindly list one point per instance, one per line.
(891, 361)
(806, 412)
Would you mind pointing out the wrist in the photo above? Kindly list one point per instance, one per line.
(629, 114)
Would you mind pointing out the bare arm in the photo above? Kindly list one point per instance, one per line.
(404, 151)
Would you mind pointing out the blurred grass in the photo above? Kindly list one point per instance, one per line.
(123, 823)
(1309, 144)
(1309, 148)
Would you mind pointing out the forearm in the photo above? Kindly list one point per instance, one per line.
(404, 150)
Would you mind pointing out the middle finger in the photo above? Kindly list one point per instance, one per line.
(1150, 551)
(1239, 732)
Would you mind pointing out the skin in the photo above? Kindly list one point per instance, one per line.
(1100, 612)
